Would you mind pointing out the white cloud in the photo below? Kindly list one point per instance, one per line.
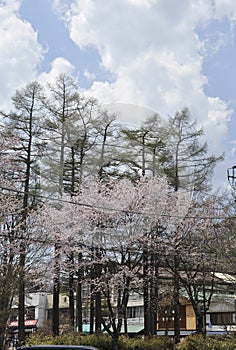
(225, 8)
(216, 124)
(150, 47)
(142, 3)
(20, 52)
(233, 149)
(59, 65)
(88, 75)
(14, 5)
(152, 50)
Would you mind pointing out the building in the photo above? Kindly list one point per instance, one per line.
(220, 314)
(36, 306)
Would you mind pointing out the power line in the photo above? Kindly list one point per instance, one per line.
(93, 206)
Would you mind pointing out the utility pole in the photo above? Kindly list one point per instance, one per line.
(231, 176)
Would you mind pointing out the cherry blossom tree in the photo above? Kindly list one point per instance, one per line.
(225, 243)
(123, 236)
(75, 150)
(9, 222)
(191, 242)
(119, 218)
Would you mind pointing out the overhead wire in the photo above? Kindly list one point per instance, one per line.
(93, 206)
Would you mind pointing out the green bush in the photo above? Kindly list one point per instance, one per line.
(152, 343)
(198, 342)
(104, 342)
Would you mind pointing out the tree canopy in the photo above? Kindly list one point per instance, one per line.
(104, 206)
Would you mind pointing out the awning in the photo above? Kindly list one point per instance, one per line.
(28, 323)
(133, 328)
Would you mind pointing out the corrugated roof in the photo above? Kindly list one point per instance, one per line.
(225, 277)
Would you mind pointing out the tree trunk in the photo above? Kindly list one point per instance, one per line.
(147, 316)
(199, 324)
(71, 300)
(21, 297)
(56, 292)
(79, 311)
(55, 310)
(79, 321)
(146, 296)
(4, 312)
(176, 300)
(125, 322)
(98, 302)
(114, 343)
(154, 291)
(71, 291)
(98, 312)
(91, 311)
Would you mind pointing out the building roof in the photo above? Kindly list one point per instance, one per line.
(225, 277)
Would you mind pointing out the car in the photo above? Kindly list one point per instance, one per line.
(58, 347)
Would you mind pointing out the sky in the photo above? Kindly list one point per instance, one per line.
(134, 56)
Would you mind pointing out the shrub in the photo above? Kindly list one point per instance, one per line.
(152, 343)
(198, 342)
(100, 341)
(104, 342)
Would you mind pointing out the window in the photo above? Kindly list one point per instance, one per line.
(166, 317)
(135, 312)
(30, 312)
(221, 318)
